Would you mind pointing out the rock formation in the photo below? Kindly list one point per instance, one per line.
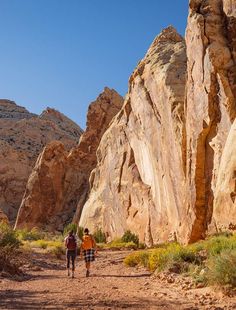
(169, 165)
(22, 137)
(224, 216)
(210, 101)
(139, 182)
(60, 179)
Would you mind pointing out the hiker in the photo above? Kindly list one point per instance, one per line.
(71, 251)
(88, 249)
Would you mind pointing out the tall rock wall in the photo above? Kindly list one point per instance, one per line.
(139, 182)
(210, 103)
(51, 205)
(22, 137)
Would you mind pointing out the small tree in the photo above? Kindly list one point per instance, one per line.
(69, 227)
(99, 236)
(130, 237)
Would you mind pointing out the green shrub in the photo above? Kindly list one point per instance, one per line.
(8, 236)
(222, 268)
(80, 232)
(215, 245)
(11, 260)
(99, 236)
(69, 227)
(31, 235)
(130, 237)
(138, 258)
(57, 250)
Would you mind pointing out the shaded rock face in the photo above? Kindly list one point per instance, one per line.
(22, 137)
(44, 188)
(224, 216)
(53, 207)
(210, 102)
(139, 182)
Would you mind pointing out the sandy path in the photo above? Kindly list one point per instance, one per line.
(111, 286)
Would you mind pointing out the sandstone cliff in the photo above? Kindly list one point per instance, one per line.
(59, 180)
(210, 102)
(139, 182)
(22, 137)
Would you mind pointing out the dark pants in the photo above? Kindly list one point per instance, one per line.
(70, 255)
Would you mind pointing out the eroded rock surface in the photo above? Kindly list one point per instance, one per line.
(52, 207)
(22, 137)
(139, 182)
(210, 102)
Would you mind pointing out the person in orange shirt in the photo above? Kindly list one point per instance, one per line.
(88, 248)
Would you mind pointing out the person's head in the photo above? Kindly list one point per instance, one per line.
(71, 233)
(86, 231)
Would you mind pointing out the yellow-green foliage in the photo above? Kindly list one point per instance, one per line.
(8, 236)
(33, 234)
(58, 250)
(222, 268)
(44, 244)
(118, 244)
(212, 260)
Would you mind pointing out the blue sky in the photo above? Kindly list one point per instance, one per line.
(62, 53)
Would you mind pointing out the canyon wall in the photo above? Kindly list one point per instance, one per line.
(168, 179)
(59, 181)
(22, 137)
(139, 181)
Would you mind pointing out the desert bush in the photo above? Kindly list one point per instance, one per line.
(8, 236)
(58, 250)
(80, 232)
(69, 227)
(216, 244)
(130, 237)
(221, 269)
(44, 244)
(31, 235)
(99, 236)
(138, 258)
(11, 260)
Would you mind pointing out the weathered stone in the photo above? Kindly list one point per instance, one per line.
(210, 104)
(139, 181)
(3, 217)
(52, 207)
(224, 215)
(22, 137)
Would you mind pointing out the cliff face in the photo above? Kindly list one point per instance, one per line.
(210, 102)
(169, 178)
(59, 182)
(22, 137)
(139, 181)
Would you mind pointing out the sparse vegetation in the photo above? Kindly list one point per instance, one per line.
(211, 261)
(30, 235)
(69, 227)
(130, 237)
(99, 236)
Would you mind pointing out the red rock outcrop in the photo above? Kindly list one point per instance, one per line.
(22, 137)
(210, 103)
(139, 182)
(51, 205)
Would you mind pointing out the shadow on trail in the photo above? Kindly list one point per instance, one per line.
(23, 299)
(143, 275)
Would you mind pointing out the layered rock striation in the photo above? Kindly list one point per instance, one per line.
(59, 182)
(139, 181)
(210, 103)
(22, 137)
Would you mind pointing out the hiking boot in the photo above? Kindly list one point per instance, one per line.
(68, 272)
(73, 275)
(87, 273)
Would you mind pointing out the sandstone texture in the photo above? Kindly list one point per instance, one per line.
(224, 216)
(139, 181)
(22, 137)
(210, 103)
(59, 181)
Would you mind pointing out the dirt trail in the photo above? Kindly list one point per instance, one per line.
(111, 286)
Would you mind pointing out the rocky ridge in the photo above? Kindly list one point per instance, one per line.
(22, 137)
(59, 180)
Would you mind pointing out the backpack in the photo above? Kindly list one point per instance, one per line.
(88, 242)
(71, 243)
